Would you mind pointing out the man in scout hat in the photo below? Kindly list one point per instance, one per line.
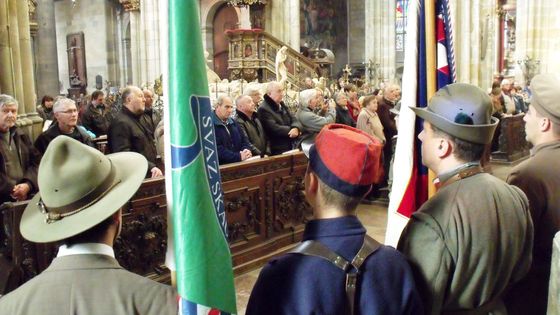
(474, 237)
(338, 269)
(79, 203)
(539, 178)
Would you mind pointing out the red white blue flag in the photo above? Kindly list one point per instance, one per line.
(410, 177)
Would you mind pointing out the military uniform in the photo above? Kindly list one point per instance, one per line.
(468, 243)
(539, 178)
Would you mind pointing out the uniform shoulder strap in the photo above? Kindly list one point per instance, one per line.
(351, 269)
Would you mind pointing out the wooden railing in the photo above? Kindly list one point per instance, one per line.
(265, 208)
(252, 56)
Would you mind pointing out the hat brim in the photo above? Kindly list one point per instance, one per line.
(481, 134)
(130, 168)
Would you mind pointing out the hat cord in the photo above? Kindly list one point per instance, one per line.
(53, 214)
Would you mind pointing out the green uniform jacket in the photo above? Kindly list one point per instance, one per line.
(89, 284)
(468, 242)
(539, 178)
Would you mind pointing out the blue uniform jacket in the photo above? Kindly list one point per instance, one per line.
(229, 140)
(297, 284)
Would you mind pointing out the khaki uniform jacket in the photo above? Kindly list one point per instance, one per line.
(89, 284)
(539, 178)
(468, 242)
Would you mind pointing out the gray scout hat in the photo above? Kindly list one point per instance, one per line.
(79, 187)
(546, 96)
(463, 111)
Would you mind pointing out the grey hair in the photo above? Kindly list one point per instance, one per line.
(251, 90)
(240, 98)
(57, 107)
(305, 96)
(127, 91)
(390, 87)
(6, 99)
(271, 85)
(220, 99)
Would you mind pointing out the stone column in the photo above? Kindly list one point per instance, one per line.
(47, 60)
(15, 54)
(136, 47)
(293, 25)
(356, 30)
(536, 27)
(150, 41)
(6, 68)
(28, 77)
(380, 36)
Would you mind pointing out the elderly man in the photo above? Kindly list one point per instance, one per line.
(127, 133)
(279, 124)
(66, 115)
(18, 158)
(251, 125)
(509, 100)
(386, 102)
(337, 269)
(255, 94)
(473, 238)
(85, 216)
(314, 114)
(231, 141)
(97, 116)
(539, 178)
(150, 119)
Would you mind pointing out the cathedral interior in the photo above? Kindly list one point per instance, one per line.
(75, 47)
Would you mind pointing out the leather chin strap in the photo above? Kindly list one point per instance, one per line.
(351, 269)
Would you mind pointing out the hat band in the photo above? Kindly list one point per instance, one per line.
(53, 214)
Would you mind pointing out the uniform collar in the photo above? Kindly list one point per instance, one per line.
(85, 248)
(462, 171)
(546, 146)
(347, 225)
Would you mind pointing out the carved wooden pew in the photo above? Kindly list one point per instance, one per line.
(265, 208)
(512, 143)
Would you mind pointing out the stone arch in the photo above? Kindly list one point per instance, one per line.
(207, 14)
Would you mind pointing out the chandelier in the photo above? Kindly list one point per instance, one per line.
(243, 3)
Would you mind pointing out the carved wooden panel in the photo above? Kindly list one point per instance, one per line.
(512, 142)
(265, 207)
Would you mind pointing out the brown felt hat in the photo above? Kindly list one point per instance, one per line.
(463, 111)
(79, 187)
(546, 95)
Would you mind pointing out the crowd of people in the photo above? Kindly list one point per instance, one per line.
(478, 246)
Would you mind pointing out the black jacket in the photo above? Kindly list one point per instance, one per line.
(97, 120)
(254, 131)
(277, 122)
(29, 158)
(43, 140)
(127, 133)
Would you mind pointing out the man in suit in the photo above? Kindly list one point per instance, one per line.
(85, 215)
(280, 125)
(473, 239)
(539, 178)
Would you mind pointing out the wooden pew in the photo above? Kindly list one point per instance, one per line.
(265, 208)
(512, 144)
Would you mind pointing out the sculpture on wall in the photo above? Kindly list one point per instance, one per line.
(281, 70)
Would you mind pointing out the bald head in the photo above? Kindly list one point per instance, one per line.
(149, 97)
(245, 104)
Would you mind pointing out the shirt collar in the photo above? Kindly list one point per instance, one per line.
(86, 248)
(347, 225)
(445, 176)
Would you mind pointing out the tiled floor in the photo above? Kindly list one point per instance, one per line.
(374, 218)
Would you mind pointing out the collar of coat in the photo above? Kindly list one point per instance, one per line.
(217, 121)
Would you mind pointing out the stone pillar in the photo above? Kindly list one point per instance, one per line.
(356, 31)
(537, 23)
(380, 36)
(135, 48)
(293, 25)
(15, 54)
(150, 41)
(28, 77)
(554, 286)
(475, 52)
(6, 73)
(47, 61)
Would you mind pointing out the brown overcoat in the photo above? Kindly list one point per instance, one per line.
(539, 178)
(468, 242)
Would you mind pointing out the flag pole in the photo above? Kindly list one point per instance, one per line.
(430, 20)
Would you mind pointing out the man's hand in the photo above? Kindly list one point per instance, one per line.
(156, 172)
(21, 191)
(245, 154)
(294, 132)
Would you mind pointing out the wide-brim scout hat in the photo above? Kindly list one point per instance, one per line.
(79, 187)
(546, 95)
(346, 159)
(463, 111)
